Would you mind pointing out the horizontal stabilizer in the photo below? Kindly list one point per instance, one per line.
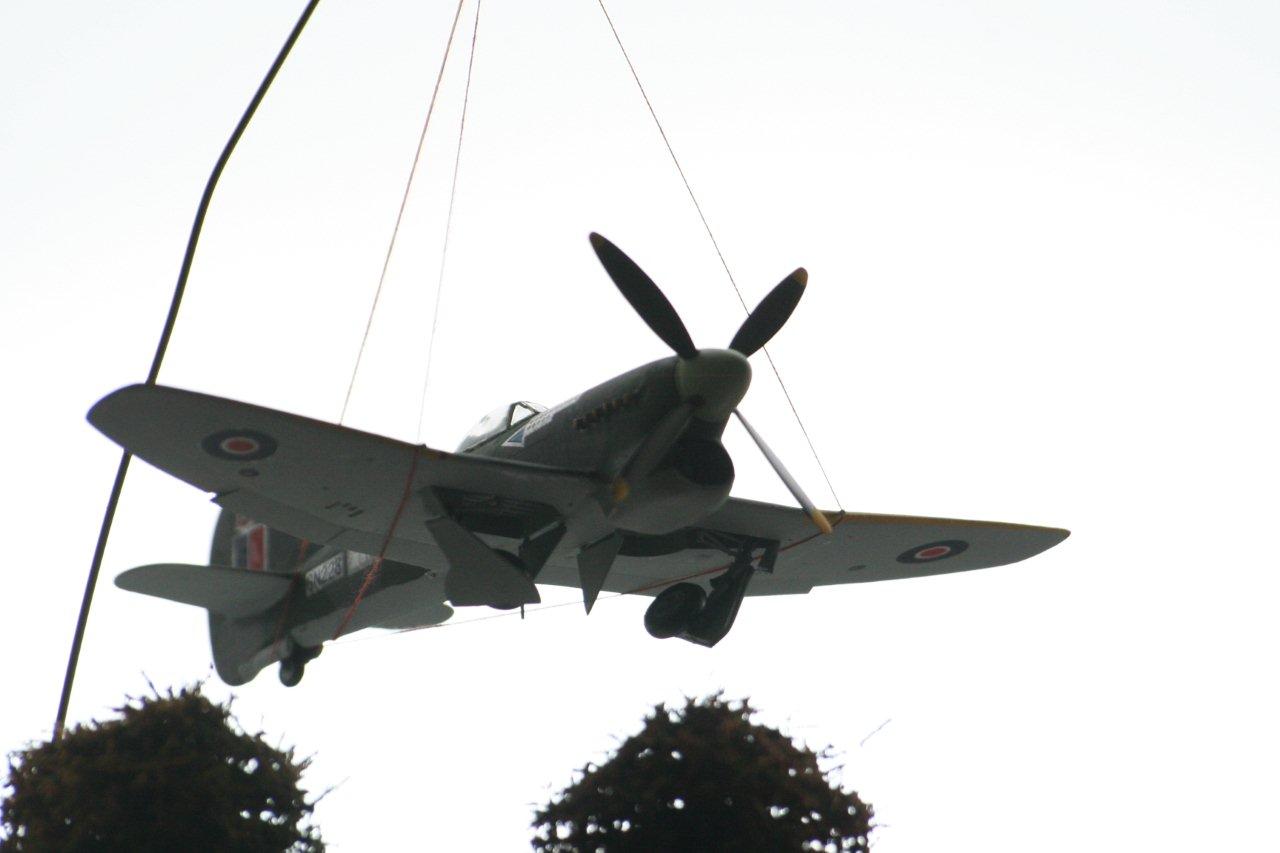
(218, 589)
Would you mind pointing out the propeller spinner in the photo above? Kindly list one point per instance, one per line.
(756, 331)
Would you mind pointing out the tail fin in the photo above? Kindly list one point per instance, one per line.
(242, 647)
(245, 544)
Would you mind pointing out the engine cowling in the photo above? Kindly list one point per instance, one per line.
(693, 481)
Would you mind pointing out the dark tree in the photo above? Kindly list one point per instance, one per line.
(704, 777)
(174, 772)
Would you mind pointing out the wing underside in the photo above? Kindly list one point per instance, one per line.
(345, 488)
(328, 484)
(861, 548)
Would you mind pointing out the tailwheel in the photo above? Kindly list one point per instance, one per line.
(294, 665)
(671, 612)
(291, 672)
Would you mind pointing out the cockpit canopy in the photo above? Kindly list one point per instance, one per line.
(499, 420)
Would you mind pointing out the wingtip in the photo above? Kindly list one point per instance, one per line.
(801, 275)
(98, 409)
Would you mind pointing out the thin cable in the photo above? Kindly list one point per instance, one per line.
(705, 224)
(672, 152)
(179, 289)
(404, 200)
(813, 450)
(448, 222)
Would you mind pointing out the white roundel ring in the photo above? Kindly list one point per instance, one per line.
(932, 551)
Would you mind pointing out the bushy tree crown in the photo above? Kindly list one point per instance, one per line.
(704, 777)
(172, 773)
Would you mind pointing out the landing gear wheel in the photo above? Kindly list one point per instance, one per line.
(671, 611)
(291, 672)
(294, 663)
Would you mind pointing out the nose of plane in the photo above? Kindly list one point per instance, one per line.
(715, 380)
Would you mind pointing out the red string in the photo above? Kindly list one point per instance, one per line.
(294, 581)
(372, 574)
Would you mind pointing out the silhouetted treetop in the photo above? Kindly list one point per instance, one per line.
(704, 777)
(172, 773)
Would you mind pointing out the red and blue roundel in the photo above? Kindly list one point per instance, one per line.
(239, 445)
(933, 551)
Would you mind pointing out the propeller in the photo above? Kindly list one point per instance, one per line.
(774, 310)
(756, 331)
(644, 296)
(785, 476)
(657, 312)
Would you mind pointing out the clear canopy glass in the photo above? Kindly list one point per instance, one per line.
(498, 420)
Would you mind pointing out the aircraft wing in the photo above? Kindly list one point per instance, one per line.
(342, 487)
(861, 548)
(326, 483)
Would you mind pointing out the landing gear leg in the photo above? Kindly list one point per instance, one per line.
(294, 665)
(715, 619)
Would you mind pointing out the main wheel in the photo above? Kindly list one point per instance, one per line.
(670, 612)
(291, 672)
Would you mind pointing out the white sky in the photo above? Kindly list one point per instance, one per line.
(1042, 241)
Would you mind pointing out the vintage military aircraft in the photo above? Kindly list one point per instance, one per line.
(622, 488)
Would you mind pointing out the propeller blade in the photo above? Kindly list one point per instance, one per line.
(798, 493)
(764, 322)
(659, 442)
(645, 297)
(653, 449)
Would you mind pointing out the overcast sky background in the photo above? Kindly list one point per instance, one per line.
(1042, 245)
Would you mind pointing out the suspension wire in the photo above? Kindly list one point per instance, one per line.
(404, 200)
(162, 346)
(448, 223)
(706, 225)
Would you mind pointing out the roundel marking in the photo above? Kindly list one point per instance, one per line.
(239, 445)
(931, 551)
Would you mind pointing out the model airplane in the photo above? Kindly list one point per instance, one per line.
(623, 488)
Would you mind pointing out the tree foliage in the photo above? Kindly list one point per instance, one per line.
(173, 772)
(704, 777)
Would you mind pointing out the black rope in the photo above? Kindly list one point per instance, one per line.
(706, 225)
(109, 516)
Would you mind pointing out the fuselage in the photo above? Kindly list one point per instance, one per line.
(655, 430)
